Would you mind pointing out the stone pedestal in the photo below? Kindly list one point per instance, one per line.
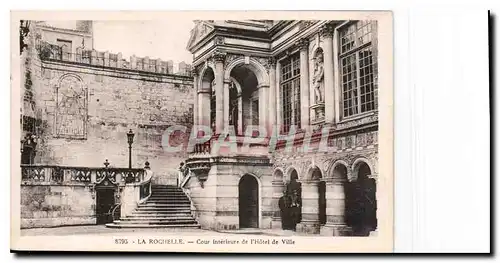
(129, 199)
(310, 208)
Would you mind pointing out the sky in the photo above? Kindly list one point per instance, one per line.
(165, 39)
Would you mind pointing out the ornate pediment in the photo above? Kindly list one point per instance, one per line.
(200, 30)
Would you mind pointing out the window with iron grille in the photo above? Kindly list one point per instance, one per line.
(357, 68)
(290, 91)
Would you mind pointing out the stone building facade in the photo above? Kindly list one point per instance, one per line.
(295, 88)
(77, 106)
(80, 102)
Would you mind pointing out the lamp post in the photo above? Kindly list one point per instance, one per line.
(130, 139)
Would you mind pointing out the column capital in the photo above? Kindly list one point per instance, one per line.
(272, 62)
(218, 56)
(327, 30)
(309, 182)
(335, 180)
(303, 43)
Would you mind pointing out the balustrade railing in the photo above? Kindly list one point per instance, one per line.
(71, 174)
(202, 148)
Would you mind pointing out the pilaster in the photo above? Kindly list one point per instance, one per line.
(304, 82)
(326, 32)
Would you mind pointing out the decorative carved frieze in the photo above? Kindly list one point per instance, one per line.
(303, 24)
(230, 58)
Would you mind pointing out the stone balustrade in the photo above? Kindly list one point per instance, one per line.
(52, 174)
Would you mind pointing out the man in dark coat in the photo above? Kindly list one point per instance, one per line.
(294, 191)
(284, 211)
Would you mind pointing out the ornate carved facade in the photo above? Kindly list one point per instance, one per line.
(309, 80)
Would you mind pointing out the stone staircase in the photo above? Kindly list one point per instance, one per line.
(168, 207)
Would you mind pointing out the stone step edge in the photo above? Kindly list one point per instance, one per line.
(113, 225)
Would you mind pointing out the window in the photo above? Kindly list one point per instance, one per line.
(290, 91)
(357, 64)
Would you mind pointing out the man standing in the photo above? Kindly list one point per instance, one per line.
(284, 205)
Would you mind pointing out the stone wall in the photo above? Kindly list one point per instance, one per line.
(56, 205)
(112, 101)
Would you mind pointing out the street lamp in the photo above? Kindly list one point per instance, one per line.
(130, 139)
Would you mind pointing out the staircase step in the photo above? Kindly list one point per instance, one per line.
(156, 214)
(158, 222)
(162, 218)
(168, 206)
(118, 225)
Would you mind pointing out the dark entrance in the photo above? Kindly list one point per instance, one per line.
(248, 189)
(322, 202)
(105, 200)
(361, 202)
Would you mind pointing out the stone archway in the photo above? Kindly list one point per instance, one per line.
(252, 80)
(361, 204)
(248, 202)
(206, 98)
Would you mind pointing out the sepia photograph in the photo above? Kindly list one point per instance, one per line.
(180, 133)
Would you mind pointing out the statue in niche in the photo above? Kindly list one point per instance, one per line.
(318, 77)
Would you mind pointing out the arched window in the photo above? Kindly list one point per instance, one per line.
(72, 107)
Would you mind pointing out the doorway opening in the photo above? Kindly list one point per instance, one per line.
(248, 189)
(361, 202)
(105, 201)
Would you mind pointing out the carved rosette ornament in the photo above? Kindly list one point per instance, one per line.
(219, 40)
(327, 30)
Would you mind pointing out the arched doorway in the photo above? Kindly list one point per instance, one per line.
(246, 100)
(361, 202)
(105, 201)
(248, 199)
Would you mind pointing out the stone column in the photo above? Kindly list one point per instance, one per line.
(327, 34)
(227, 82)
(278, 188)
(195, 98)
(304, 82)
(310, 208)
(335, 209)
(263, 107)
(219, 91)
(271, 107)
